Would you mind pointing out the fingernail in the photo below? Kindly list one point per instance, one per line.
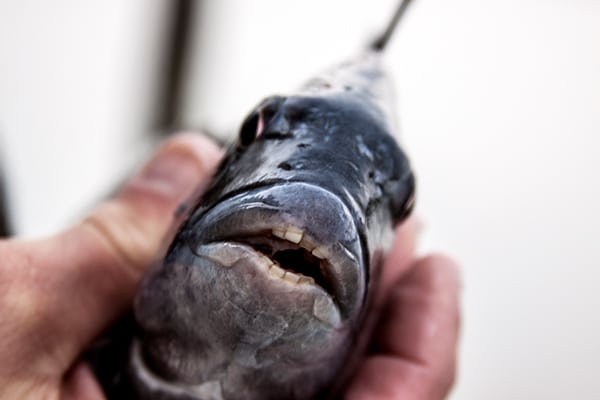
(180, 165)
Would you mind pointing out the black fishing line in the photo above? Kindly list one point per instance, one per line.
(382, 41)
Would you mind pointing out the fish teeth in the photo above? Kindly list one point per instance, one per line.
(296, 236)
(291, 277)
(291, 234)
(265, 262)
(320, 253)
(306, 279)
(279, 232)
(307, 244)
(276, 271)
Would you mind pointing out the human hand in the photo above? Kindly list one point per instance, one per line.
(59, 293)
(412, 354)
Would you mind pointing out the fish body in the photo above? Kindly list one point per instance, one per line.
(264, 289)
(262, 292)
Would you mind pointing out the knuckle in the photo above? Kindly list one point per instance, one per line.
(129, 238)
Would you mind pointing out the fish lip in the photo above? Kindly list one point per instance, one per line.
(228, 255)
(276, 208)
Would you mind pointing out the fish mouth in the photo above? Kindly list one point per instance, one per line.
(296, 234)
(285, 253)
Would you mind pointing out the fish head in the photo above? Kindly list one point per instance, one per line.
(265, 284)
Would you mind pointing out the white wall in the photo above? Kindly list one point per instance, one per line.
(500, 107)
(76, 95)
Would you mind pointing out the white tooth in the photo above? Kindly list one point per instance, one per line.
(294, 235)
(276, 271)
(319, 252)
(307, 244)
(264, 262)
(279, 232)
(307, 279)
(292, 277)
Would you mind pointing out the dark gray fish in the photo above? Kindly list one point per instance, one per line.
(265, 287)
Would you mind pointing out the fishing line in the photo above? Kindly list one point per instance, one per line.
(382, 41)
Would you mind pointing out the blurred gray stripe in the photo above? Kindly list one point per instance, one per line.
(4, 222)
(175, 56)
(5, 229)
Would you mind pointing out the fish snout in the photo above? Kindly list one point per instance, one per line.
(265, 280)
(302, 233)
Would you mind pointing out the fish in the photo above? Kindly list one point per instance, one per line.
(265, 288)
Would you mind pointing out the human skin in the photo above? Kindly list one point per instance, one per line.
(57, 294)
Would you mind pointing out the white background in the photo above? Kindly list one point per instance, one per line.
(499, 102)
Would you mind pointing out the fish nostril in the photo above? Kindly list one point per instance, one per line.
(250, 129)
(285, 166)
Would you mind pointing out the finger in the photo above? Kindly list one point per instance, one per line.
(399, 259)
(80, 383)
(60, 292)
(416, 341)
(420, 322)
(397, 262)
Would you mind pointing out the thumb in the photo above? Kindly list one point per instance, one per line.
(57, 294)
